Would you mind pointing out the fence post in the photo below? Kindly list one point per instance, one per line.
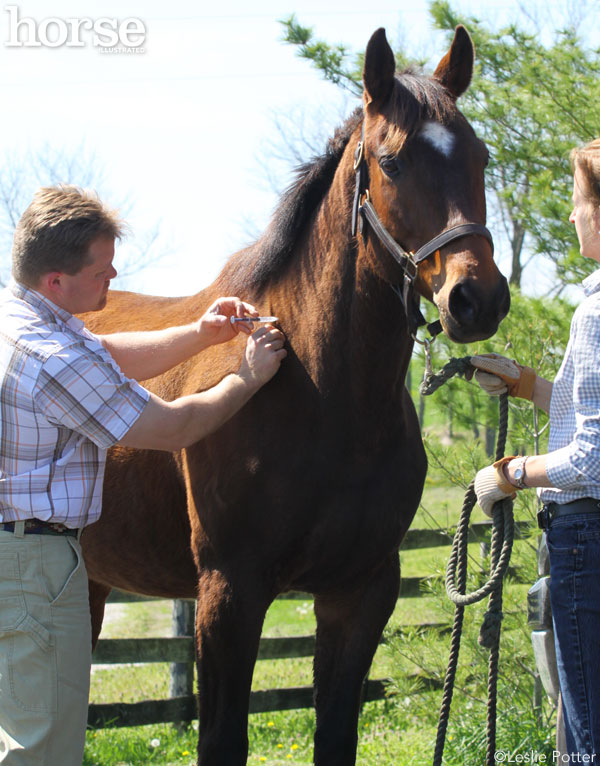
(181, 682)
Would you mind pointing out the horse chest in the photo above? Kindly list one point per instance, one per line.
(348, 528)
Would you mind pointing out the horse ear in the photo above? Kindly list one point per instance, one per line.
(455, 69)
(379, 68)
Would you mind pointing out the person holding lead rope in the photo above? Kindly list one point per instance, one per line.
(568, 476)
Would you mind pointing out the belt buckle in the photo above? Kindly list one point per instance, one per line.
(56, 526)
(543, 518)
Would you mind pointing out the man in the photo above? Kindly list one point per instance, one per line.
(64, 400)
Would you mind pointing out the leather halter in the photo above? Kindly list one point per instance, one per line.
(363, 212)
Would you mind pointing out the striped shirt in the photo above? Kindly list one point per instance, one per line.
(63, 403)
(573, 462)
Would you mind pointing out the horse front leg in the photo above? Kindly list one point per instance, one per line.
(349, 626)
(229, 622)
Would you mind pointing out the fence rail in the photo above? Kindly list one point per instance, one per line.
(179, 650)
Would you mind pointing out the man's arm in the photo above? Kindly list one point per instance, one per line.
(144, 355)
(174, 425)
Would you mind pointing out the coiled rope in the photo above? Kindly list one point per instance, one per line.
(456, 576)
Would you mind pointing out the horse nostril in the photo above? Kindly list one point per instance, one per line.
(463, 305)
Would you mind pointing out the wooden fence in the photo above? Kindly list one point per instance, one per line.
(179, 651)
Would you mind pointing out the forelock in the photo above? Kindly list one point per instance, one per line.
(416, 100)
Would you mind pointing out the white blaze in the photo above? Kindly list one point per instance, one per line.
(440, 137)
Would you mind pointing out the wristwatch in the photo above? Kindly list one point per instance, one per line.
(520, 475)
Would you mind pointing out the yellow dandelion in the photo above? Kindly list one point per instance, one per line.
(262, 759)
(186, 752)
(271, 723)
(280, 746)
(294, 747)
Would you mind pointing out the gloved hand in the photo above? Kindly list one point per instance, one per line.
(491, 485)
(496, 374)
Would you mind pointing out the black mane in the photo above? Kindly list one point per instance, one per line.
(271, 252)
(416, 98)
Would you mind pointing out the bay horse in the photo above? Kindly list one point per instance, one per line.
(313, 484)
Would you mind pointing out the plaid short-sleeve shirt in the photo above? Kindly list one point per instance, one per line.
(63, 403)
(573, 462)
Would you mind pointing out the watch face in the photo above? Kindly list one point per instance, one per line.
(520, 474)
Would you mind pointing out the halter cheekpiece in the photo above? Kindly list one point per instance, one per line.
(363, 212)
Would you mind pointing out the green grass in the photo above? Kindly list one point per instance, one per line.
(440, 508)
(290, 618)
(280, 738)
(137, 620)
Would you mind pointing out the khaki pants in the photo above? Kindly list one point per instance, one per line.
(45, 650)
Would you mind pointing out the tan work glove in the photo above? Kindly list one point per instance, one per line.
(491, 485)
(496, 375)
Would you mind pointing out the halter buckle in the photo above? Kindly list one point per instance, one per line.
(410, 261)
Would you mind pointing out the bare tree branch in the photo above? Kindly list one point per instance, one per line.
(22, 175)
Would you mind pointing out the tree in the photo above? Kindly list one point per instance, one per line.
(531, 102)
(335, 62)
(22, 175)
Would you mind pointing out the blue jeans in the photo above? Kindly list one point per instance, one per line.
(574, 546)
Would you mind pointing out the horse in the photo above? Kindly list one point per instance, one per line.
(313, 484)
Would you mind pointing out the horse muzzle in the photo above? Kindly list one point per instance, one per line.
(471, 313)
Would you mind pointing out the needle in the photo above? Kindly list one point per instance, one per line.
(254, 319)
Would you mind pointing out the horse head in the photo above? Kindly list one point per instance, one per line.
(423, 176)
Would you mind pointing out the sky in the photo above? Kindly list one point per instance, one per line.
(181, 129)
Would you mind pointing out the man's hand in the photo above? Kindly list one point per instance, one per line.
(215, 325)
(174, 425)
(263, 355)
(496, 375)
(491, 485)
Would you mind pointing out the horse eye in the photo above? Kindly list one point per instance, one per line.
(390, 165)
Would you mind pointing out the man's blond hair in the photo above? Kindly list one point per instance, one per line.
(56, 231)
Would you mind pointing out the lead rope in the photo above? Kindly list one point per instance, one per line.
(456, 576)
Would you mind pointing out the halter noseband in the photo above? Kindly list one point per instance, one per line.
(363, 212)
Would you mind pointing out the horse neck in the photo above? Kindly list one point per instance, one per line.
(350, 324)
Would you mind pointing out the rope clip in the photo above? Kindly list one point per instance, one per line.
(426, 343)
